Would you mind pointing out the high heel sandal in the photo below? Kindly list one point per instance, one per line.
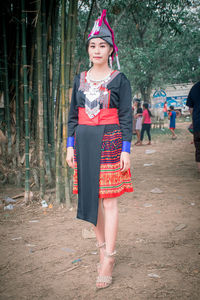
(99, 246)
(106, 280)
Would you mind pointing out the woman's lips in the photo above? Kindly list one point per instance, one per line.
(97, 57)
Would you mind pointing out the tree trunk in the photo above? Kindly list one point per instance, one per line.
(146, 91)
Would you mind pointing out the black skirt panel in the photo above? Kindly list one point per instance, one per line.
(88, 152)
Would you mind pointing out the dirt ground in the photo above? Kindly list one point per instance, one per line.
(46, 253)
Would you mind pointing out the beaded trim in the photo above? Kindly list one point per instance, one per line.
(97, 96)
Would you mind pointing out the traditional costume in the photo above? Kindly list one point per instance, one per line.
(99, 129)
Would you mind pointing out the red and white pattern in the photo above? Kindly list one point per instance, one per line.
(112, 182)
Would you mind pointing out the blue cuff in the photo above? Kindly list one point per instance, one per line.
(70, 141)
(126, 146)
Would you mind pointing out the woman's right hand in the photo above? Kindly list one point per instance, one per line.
(70, 157)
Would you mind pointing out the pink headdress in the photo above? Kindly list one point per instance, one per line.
(102, 29)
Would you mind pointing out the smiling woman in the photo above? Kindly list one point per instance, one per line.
(99, 51)
(99, 138)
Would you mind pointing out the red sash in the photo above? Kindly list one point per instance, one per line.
(106, 116)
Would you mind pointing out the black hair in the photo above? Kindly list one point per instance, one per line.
(146, 105)
(171, 107)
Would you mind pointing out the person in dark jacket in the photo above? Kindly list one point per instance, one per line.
(193, 101)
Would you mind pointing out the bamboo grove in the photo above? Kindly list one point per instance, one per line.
(35, 90)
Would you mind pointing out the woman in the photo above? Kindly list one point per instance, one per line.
(100, 119)
(134, 108)
(138, 125)
(165, 110)
(146, 124)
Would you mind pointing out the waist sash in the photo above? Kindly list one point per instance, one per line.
(106, 116)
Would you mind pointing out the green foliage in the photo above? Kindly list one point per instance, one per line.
(158, 41)
(158, 36)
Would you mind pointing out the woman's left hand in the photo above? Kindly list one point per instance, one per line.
(125, 161)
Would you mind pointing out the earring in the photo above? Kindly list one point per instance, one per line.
(110, 61)
(90, 63)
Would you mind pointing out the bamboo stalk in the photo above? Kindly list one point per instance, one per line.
(70, 47)
(35, 99)
(58, 156)
(40, 101)
(73, 43)
(55, 77)
(64, 79)
(71, 75)
(17, 93)
(49, 86)
(51, 102)
(44, 60)
(60, 179)
(6, 93)
(26, 105)
(30, 86)
(21, 98)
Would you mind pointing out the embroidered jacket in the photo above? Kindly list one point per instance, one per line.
(114, 93)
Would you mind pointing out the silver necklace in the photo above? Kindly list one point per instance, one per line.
(93, 82)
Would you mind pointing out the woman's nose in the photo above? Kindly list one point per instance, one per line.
(97, 49)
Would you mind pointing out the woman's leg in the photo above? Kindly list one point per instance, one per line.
(173, 133)
(142, 133)
(138, 136)
(111, 228)
(99, 230)
(111, 223)
(148, 132)
(197, 148)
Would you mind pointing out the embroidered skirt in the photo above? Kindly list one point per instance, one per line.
(112, 182)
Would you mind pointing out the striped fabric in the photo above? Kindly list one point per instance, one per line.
(112, 182)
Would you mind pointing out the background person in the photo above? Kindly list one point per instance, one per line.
(138, 125)
(172, 122)
(146, 124)
(193, 101)
(165, 109)
(134, 111)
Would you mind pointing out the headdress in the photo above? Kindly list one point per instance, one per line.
(102, 29)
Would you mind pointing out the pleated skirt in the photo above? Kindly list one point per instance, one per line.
(112, 182)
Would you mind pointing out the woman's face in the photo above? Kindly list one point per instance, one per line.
(99, 51)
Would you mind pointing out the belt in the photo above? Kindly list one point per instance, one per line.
(106, 116)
